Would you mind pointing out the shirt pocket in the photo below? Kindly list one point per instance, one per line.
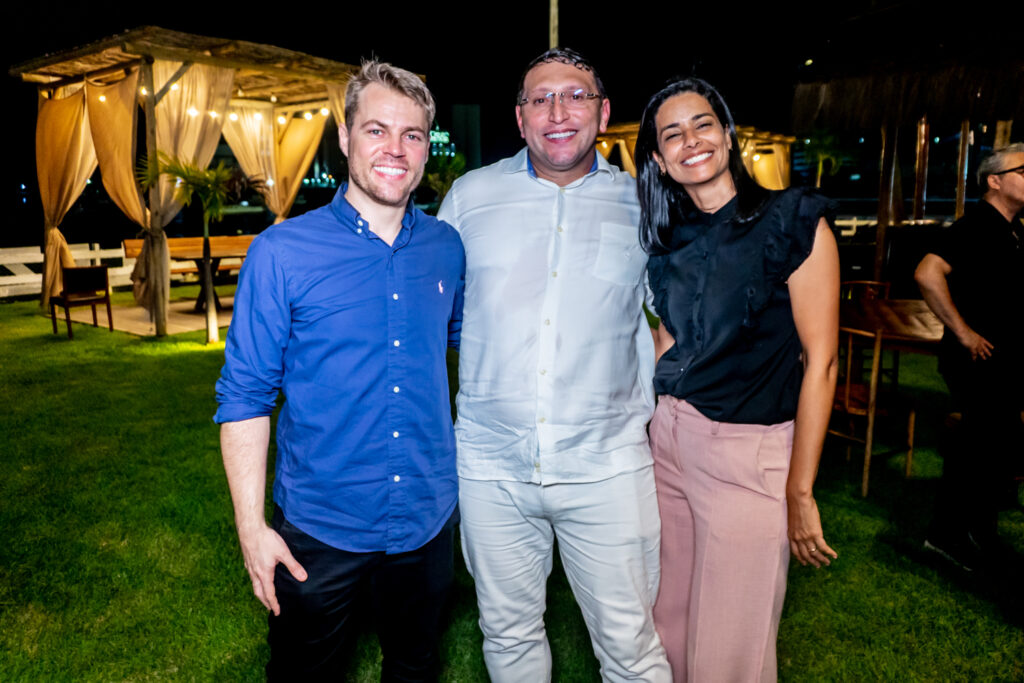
(619, 257)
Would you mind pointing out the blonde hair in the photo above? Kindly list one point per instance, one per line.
(393, 78)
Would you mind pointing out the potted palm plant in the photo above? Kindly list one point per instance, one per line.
(214, 187)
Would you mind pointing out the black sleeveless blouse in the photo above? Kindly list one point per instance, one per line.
(721, 292)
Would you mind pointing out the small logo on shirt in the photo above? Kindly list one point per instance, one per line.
(440, 287)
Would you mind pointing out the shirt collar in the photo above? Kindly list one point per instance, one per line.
(521, 163)
(351, 219)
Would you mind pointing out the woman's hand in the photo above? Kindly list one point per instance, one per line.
(806, 540)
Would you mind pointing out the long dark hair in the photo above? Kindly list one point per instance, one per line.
(662, 200)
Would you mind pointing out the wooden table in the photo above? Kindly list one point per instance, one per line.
(191, 249)
(196, 256)
(900, 324)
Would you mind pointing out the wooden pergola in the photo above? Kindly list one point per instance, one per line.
(291, 80)
(900, 97)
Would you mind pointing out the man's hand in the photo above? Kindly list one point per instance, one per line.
(976, 344)
(262, 550)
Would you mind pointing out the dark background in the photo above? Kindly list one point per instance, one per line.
(474, 52)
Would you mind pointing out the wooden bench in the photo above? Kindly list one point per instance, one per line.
(226, 251)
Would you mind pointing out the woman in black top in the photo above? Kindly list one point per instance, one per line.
(747, 285)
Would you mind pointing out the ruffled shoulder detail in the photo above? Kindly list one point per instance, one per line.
(792, 217)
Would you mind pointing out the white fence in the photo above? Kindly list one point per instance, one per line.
(16, 278)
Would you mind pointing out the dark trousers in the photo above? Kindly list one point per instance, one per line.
(985, 450)
(310, 640)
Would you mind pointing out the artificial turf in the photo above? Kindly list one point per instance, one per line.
(119, 560)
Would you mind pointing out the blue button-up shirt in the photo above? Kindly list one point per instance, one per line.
(353, 332)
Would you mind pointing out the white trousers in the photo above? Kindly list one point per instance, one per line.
(608, 536)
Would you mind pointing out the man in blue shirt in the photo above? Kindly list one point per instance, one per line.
(348, 311)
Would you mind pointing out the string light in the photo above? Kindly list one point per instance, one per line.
(174, 86)
(103, 98)
(192, 111)
(308, 116)
(258, 116)
(324, 111)
(233, 116)
(213, 114)
(273, 98)
(757, 157)
(143, 90)
(282, 120)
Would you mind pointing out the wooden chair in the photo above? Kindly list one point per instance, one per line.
(854, 290)
(84, 286)
(854, 399)
(859, 290)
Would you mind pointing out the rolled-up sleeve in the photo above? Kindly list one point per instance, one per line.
(256, 342)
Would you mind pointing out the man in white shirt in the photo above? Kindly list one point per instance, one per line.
(555, 390)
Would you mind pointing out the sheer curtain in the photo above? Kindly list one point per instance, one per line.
(278, 154)
(65, 158)
(113, 118)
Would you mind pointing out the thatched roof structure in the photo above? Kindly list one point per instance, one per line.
(261, 71)
(898, 95)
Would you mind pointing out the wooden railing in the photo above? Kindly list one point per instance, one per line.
(16, 278)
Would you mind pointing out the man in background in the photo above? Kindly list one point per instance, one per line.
(973, 280)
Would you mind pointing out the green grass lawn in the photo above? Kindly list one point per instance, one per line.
(119, 559)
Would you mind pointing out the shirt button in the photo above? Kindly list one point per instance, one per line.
(396, 390)
(542, 420)
(359, 230)
(398, 343)
(394, 434)
(395, 296)
(536, 466)
(560, 229)
(359, 222)
(547, 321)
(397, 478)
(543, 372)
(554, 273)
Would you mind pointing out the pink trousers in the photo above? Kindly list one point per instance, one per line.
(724, 548)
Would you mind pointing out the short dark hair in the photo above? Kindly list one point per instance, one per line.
(662, 201)
(565, 55)
(392, 78)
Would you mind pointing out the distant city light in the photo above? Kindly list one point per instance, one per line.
(809, 62)
(935, 139)
(807, 141)
(440, 136)
(861, 141)
(855, 176)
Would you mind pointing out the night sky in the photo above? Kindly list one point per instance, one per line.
(754, 55)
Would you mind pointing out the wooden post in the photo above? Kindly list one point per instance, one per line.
(158, 270)
(553, 23)
(921, 167)
(1002, 134)
(961, 167)
(887, 177)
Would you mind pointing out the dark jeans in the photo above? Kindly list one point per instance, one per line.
(985, 450)
(310, 639)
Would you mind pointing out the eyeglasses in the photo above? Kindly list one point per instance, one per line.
(576, 99)
(1019, 170)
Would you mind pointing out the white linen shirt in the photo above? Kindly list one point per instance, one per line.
(556, 359)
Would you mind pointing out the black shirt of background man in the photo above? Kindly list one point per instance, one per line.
(721, 292)
(986, 283)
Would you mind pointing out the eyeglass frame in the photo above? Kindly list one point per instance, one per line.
(550, 97)
(1019, 170)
